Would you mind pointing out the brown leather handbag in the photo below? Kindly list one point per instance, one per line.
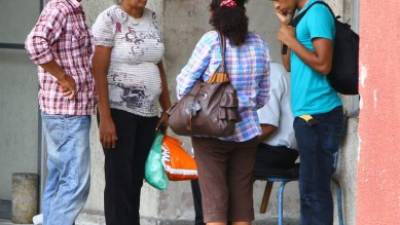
(210, 109)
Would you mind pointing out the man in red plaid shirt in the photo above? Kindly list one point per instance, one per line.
(60, 45)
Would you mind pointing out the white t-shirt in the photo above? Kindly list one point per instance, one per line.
(277, 112)
(133, 79)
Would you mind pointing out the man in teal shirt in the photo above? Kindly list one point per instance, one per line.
(316, 105)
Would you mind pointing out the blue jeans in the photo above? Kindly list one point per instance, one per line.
(318, 147)
(68, 165)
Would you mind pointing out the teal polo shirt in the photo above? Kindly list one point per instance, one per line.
(311, 92)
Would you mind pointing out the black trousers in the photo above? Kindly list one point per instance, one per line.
(274, 161)
(124, 167)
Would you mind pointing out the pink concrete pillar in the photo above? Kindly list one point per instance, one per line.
(378, 191)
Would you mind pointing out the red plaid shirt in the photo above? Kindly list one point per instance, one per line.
(62, 35)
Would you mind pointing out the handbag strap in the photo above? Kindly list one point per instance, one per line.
(222, 41)
(220, 75)
(297, 18)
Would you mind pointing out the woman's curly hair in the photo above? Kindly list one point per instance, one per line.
(231, 22)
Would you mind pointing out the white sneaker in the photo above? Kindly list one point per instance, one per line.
(38, 219)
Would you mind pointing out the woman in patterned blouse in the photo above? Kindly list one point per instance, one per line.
(225, 165)
(131, 83)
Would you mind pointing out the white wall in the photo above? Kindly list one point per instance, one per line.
(18, 91)
(18, 118)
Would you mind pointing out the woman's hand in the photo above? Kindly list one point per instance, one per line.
(162, 125)
(108, 133)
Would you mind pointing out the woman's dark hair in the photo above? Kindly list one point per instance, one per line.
(231, 22)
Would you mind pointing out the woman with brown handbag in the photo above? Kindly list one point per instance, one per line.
(225, 163)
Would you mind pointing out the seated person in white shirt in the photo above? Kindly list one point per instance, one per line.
(277, 150)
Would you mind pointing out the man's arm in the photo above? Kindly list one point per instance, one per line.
(286, 59)
(270, 115)
(66, 82)
(284, 18)
(38, 45)
(321, 26)
(266, 132)
(320, 59)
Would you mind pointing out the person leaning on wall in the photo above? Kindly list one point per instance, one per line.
(316, 105)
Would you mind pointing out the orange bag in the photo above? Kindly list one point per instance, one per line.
(178, 164)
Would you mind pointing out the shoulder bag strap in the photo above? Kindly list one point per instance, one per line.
(222, 42)
(220, 75)
(300, 16)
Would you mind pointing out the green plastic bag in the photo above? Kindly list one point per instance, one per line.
(154, 171)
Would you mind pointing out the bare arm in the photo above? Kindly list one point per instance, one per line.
(38, 46)
(165, 100)
(101, 63)
(286, 60)
(267, 131)
(54, 69)
(320, 59)
(66, 82)
(284, 18)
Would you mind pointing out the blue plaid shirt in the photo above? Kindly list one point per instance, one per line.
(248, 66)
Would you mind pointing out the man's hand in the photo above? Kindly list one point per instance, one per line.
(284, 17)
(108, 133)
(68, 86)
(286, 34)
(66, 82)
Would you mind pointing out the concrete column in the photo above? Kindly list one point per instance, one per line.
(24, 197)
